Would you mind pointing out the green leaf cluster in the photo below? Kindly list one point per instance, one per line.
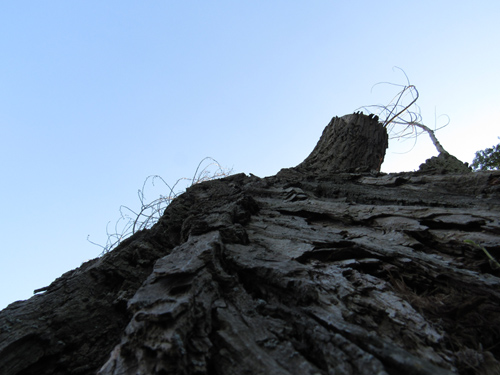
(488, 159)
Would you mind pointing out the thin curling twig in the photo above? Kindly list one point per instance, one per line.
(405, 117)
(150, 212)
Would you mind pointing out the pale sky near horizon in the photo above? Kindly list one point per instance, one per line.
(97, 95)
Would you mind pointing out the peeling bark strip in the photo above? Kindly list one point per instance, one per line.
(305, 272)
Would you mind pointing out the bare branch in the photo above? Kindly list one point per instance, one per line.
(432, 136)
(150, 212)
(406, 118)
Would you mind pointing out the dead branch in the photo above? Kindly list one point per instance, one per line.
(150, 212)
(405, 120)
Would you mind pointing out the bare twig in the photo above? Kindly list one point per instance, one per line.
(150, 212)
(405, 120)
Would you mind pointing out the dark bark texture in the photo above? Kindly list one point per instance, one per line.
(352, 143)
(306, 272)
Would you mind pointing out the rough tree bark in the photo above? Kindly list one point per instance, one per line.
(350, 143)
(305, 272)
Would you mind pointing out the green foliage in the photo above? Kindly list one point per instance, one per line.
(488, 159)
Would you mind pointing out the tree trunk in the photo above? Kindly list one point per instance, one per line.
(350, 143)
(305, 272)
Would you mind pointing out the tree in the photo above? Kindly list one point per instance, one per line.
(316, 270)
(487, 159)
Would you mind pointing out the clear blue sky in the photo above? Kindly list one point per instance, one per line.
(97, 95)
